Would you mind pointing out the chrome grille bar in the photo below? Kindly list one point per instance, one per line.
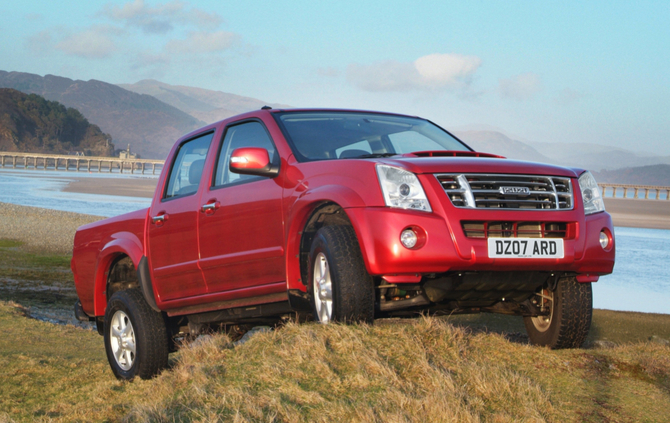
(504, 191)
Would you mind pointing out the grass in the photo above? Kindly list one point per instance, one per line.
(53, 372)
(456, 368)
(609, 326)
(423, 369)
(35, 279)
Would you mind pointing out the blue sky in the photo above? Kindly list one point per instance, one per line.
(595, 72)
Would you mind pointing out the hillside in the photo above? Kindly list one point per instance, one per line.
(497, 143)
(206, 105)
(592, 157)
(150, 126)
(31, 124)
(595, 157)
(419, 370)
(656, 175)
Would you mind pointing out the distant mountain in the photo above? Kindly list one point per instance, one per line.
(150, 126)
(496, 143)
(31, 124)
(592, 157)
(656, 175)
(596, 157)
(206, 105)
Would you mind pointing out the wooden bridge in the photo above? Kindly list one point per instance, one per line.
(640, 192)
(38, 161)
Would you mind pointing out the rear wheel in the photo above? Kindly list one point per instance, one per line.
(340, 286)
(567, 324)
(136, 339)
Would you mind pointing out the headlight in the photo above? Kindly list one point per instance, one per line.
(402, 189)
(593, 201)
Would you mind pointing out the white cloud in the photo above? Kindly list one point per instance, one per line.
(203, 42)
(447, 69)
(161, 18)
(149, 59)
(432, 72)
(520, 87)
(329, 72)
(92, 43)
(40, 43)
(132, 29)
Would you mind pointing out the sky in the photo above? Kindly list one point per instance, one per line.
(546, 71)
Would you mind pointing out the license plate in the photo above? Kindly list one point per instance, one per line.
(525, 248)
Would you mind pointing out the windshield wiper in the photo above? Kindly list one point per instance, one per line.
(373, 156)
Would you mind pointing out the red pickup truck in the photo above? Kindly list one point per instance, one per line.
(347, 216)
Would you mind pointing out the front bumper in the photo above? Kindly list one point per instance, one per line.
(447, 248)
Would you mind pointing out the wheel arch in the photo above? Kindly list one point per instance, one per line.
(122, 246)
(306, 220)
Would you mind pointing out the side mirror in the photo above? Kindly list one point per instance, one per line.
(252, 161)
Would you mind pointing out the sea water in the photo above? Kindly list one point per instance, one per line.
(44, 189)
(640, 280)
(641, 277)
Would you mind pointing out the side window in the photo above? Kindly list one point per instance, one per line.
(187, 168)
(249, 134)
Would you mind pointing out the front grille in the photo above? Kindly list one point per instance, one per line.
(479, 229)
(525, 192)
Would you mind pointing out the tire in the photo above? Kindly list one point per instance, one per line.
(136, 339)
(569, 320)
(341, 288)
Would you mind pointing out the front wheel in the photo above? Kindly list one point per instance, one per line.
(136, 339)
(340, 286)
(567, 324)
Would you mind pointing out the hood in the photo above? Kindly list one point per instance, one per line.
(482, 164)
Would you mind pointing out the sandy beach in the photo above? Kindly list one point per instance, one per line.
(129, 187)
(41, 230)
(652, 214)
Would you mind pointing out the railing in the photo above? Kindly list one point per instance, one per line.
(36, 161)
(639, 192)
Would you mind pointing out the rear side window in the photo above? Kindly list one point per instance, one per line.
(249, 134)
(187, 168)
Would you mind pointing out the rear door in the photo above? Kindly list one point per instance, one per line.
(241, 236)
(172, 233)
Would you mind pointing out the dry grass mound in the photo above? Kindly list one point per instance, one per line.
(415, 370)
(418, 370)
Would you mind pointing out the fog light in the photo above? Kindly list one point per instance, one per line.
(408, 238)
(604, 240)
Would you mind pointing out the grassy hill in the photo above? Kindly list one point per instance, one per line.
(206, 105)
(150, 126)
(424, 369)
(31, 124)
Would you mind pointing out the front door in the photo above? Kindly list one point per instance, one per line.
(172, 233)
(241, 228)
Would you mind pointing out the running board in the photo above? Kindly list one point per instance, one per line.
(233, 315)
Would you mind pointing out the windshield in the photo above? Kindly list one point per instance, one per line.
(345, 135)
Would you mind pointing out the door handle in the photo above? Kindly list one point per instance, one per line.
(160, 219)
(210, 207)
